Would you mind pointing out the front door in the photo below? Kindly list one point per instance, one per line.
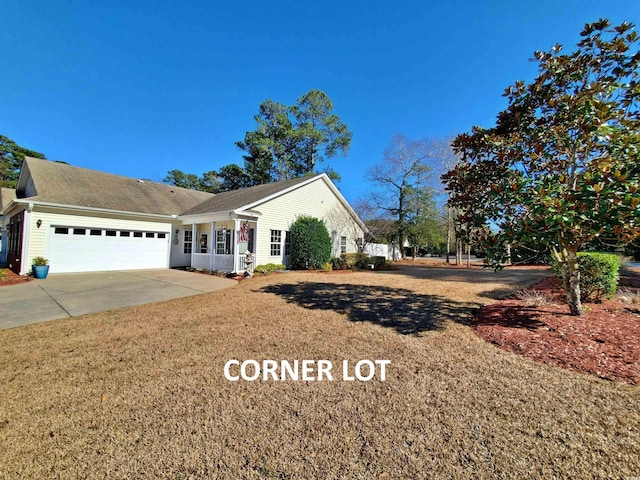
(14, 246)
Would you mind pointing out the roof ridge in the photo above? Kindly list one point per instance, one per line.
(62, 164)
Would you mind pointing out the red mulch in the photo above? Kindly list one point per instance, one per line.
(604, 342)
(11, 278)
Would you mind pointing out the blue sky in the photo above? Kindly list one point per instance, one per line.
(138, 88)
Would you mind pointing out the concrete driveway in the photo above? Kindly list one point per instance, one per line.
(71, 294)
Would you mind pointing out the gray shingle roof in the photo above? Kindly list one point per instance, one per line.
(227, 201)
(6, 195)
(68, 185)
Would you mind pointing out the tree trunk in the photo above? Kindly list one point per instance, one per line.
(468, 255)
(568, 264)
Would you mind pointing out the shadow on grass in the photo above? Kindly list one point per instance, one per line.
(509, 316)
(401, 309)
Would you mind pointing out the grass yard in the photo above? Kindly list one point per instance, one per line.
(140, 392)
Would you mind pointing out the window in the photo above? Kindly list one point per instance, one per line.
(287, 244)
(110, 233)
(204, 240)
(223, 242)
(61, 231)
(162, 235)
(96, 233)
(276, 243)
(79, 231)
(150, 235)
(137, 234)
(343, 244)
(188, 240)
(125, 234)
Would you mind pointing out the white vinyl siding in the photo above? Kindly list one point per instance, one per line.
(314, 199)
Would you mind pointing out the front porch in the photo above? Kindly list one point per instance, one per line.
(222, 245)
(221, 263)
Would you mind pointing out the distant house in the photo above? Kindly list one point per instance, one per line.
(84, 220)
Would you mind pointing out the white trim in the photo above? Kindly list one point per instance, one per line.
(213, 244)
(255, 245)
(193, 242)
(205, 217)
(236, 227)
(26, 236)
(90, 209)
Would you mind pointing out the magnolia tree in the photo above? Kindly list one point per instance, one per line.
(561, 166)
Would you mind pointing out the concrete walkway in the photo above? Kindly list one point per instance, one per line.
(71, 294)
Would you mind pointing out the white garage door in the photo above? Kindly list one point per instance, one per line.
(76, 249)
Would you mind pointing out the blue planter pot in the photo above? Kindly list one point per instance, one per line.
(40, 271)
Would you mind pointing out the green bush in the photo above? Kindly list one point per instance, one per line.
(40, 261)
(310, 243)
(338, 263)
(598, 275)
(378, 262)
(356, 261)
(269, 267)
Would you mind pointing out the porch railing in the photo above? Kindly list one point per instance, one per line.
(222, 263)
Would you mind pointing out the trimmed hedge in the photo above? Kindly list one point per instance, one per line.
(269, 267)
(598, 275)
(378, 262)
(357, 261)
(338, 263)
(310, 244)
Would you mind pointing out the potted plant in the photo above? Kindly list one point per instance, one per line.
(40, 267)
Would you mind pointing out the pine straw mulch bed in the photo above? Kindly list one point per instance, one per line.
(10, 278)
(604, 342)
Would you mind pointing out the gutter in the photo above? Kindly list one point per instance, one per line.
(31, 203)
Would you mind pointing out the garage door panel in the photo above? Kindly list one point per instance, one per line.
(85, 253)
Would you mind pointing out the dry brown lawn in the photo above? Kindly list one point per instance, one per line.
(140, 392)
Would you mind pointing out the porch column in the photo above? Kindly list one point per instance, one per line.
(236, 227)
(213, 245)
(255, 244)
(25, 261)
(193, 241)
